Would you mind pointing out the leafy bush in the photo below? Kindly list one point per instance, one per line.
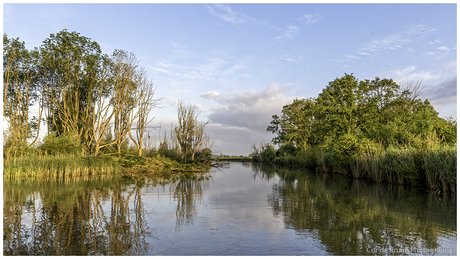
(65, 143)
(343, 150)
(203, 154)
(269, 154)
(286, 150)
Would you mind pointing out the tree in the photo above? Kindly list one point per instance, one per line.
(189, 132)
(336, 107)
(70, 66)
(21, 92)
(145, 104)
(104, 110)
(295, 124)
(127, 78)
(378, 110)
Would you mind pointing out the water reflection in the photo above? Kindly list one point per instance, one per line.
(353, 217)
(247, 209)
(187, 192)
(102, 217)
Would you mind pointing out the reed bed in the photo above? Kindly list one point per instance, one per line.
(434, 166)
(46, 166)
(428, 162)
(440, 167)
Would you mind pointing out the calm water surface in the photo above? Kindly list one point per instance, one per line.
(241, 209)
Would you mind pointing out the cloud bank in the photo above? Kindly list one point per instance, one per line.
(237, 120)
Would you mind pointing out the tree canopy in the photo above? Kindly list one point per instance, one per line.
(377, 110)
(81, 91)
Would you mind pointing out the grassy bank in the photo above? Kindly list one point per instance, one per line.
(72, 166)
(430, 165)
(66, 165)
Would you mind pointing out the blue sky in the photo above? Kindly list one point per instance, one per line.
(240, 63)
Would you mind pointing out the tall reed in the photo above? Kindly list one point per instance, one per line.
(440, 168)
(431, 163)
(60, 165)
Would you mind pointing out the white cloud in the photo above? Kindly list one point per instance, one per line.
(241, 118)
(352, 57)
(398, 40)
(249, 109)
(287, 58)
(386, 43)
(160, 69)
(406, 70)
(227, 14)
(289, 32)
(309, 18)
(443, 48)
(214, 95)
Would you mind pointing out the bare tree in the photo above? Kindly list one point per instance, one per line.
(127, 77)
(198, 138)
(190, 133)
(145, 104)
(104, 111)
(412, 88)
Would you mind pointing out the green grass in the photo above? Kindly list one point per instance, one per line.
(70, 166)
(57, 166)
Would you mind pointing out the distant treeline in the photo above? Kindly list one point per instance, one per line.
(373, 129)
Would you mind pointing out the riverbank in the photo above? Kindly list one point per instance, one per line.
(233, 159)
(431, 166)
(70, 165)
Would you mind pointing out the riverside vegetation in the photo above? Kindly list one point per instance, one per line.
(96, 108)
(374, 129)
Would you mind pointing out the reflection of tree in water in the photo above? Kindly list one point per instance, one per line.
(262, 171)
(188, 190)
(74, 222)
(352, 217)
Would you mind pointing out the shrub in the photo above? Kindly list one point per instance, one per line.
(286, 150)
(269, 154)
(65, 143)
(343, 150)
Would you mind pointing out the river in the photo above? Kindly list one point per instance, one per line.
(237, 209)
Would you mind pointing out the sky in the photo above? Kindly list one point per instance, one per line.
(241, 63)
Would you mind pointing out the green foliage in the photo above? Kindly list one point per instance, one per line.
(446, 130)
(336, 108)
(343, 150)
(369, 128)
(295, 124)
(440, 166)
(62, 144)
(286, 150)
(400, 165)
(204, 154)
(268, 155)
